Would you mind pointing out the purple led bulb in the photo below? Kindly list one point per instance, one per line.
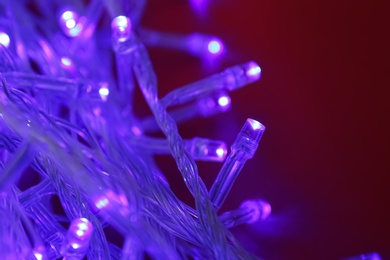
(69, 23)
(214, 104)
(243, 149)
(249, 212)
(121, 28)
(258, 209)
(215, 46)
(4, 39)
(249, 137)
(207, 150)
(242, 75)
(78, 239)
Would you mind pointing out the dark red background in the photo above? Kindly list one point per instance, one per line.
(323, 163)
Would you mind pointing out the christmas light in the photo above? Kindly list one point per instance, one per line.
(66, 107)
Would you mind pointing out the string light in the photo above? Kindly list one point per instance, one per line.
(70, 117)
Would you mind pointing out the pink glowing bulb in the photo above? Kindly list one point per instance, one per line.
(259, 209)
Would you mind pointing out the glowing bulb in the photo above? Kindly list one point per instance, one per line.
(69, 23)
(102, 203)
(260, 209)
(121, 28)
(224, 101)
(38, 255)
(75, 245)
(214, 47)
(253, 70)
(121, 22)
(4, 39)
(221, 152)
(76, 30)
(80, 233)
(207, 150)
(256, 125)
(67, 15)
(66, 61)
(83, 225)
(104, 91)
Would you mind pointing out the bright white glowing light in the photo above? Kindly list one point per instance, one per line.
(80, 233)
(102, 203)
(66, 61)
(220, 152)
(122, 23)
(255, 124)
(67, 15)
(70, 23)
(254, 71)
(75, 245)
(214, 47)
(104, 92)
(82, 226)
(223, 101)
(38, 255)
(4, 39)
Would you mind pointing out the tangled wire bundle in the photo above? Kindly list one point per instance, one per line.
(67, 115)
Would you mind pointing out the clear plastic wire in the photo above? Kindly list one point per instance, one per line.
(66, 112)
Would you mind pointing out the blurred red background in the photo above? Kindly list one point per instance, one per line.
(323, 163)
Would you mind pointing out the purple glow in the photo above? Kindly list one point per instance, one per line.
(136, 130)
(260, 209)
(215, 47)
(4, 39)
(224, 101)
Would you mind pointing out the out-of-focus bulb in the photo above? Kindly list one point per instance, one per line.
(259, 209)
(78, 239)
(69, 23)
(215, 47)
(4, 39)
(214, 104)
(206, 149)
(104, 92)
(121, 28)
(66, 62)
(253, 70)
(224, 101)
(38, 255)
